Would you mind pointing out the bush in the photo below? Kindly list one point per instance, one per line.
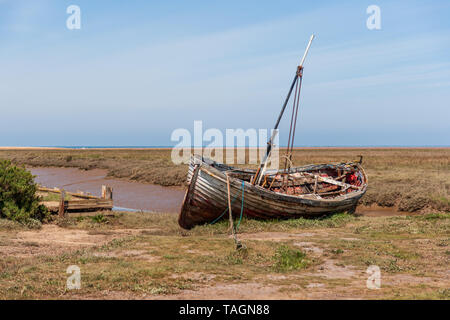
(18, 199)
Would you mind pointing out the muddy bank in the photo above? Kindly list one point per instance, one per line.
(127, 194)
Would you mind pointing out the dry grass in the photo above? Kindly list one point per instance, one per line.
(148, 256)
(409, 179)
(150, 165)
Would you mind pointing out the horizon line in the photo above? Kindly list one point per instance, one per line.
(235, 147)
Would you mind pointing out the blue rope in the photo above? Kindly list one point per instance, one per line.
(232, 201)
(218, 218)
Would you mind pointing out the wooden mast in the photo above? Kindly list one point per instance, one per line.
(263, 166)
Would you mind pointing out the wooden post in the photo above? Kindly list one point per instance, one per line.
(107, 192)
(61, 211)
(238, 243)
(229, 207)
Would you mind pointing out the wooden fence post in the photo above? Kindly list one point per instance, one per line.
(230, 214)
(61, 212)
(107, 192)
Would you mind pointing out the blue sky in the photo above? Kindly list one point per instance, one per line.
(137, 70)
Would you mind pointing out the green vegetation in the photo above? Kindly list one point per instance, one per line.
(99, 218)
(50, 196)
(287, 259)
(18, 198)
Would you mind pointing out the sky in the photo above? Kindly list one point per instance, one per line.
(137, 70)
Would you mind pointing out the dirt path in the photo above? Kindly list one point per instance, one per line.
(52, 239)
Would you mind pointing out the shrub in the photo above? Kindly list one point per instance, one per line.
(18, 198)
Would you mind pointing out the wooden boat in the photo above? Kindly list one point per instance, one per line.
(313, 190)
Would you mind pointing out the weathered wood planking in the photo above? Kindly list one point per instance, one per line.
(80, 203)
(207, 199)
(78, 195)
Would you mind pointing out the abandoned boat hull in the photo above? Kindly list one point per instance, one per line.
(206, 198)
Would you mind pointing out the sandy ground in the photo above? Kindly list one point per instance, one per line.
(51, 239)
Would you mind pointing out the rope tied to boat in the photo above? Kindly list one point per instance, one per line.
(234, 228)
(232, 201)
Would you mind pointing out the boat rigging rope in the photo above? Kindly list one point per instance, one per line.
(292, 121)
(239, 245)
(294, 117)
(300, 77)
(226, 210)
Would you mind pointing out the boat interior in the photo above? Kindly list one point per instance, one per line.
(323, 181)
